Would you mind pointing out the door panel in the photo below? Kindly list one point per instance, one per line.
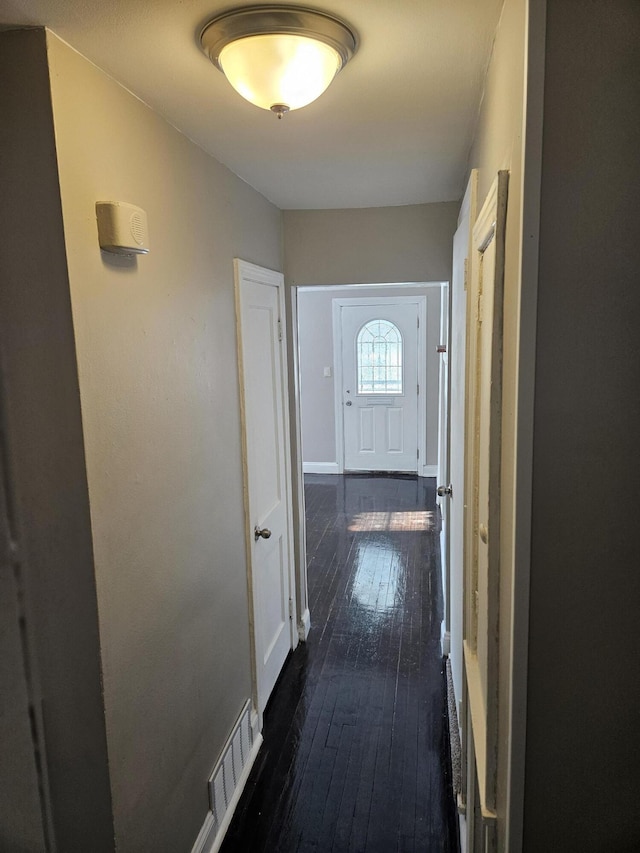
(367, 430)
(260, 398)
(274, 606)
(395, 430)
(268, 496)
(380, 430)
(459, 499)
(483, 432)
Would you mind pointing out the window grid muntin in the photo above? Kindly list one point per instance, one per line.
(379, 358)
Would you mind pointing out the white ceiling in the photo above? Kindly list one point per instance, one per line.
(393, 128)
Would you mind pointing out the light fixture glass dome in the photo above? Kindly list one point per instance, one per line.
(280, 58)
(279, 70)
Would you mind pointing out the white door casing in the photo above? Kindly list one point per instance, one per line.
(483, 455)
(297, 478)
(265, 423)
(379, 432)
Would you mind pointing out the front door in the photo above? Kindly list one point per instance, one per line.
(263, 380)
(379, 354)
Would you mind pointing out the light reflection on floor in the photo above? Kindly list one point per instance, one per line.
(379, 577)
(393, 521)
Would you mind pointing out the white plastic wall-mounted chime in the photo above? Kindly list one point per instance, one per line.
(122, 228)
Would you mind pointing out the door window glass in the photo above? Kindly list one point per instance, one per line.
(379, 358)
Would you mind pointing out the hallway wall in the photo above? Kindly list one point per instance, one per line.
(21, 819)
(369, 245)
(583, 716)
(53, 751)
(155, 345)
(156, 349)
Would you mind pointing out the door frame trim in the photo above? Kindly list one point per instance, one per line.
(337, 304)
(489, 228)
(299, 510)
(245, 271)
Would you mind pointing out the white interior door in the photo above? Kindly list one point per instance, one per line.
(379, 367)
(263, 378)
(457, 364)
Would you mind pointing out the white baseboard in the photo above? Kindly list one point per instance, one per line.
(334, 468)
(206, 836)
(304, 626)
(228, 779)
(446, 644)
(463, 832)
(320, 468)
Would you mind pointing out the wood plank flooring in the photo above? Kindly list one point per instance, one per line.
(355, 738)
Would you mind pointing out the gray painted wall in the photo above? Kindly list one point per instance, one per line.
(156, 350)
(583, 774)
(315, 345)
(42, 434)
(369, 245)
(21, 819)
(130, 368)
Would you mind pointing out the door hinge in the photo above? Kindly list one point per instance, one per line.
(291, 608)
(418, 453)
(418, 319)
(418, 389)
(466, 272)
(279, 329)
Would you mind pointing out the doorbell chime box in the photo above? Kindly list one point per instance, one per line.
(122, 228)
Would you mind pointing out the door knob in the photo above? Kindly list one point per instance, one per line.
(261, 533)
(445, 491)
(348, 403)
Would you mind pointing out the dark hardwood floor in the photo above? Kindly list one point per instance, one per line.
(355, 738)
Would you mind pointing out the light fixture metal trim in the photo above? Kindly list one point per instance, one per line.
(276, 20)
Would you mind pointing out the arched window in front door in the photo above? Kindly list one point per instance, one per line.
(379, 358)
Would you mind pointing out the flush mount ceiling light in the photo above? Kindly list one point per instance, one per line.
(280, 58)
